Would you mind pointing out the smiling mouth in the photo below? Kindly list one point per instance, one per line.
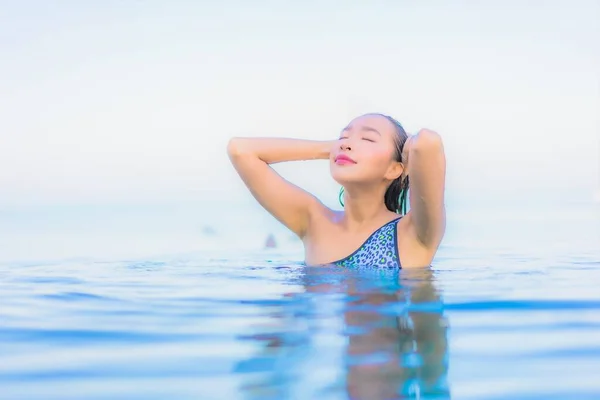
(343, 160)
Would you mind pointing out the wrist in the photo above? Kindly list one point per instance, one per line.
(325, 149)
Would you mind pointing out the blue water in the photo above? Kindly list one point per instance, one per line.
(177, 303)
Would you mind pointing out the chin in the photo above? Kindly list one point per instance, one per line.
(345, 175)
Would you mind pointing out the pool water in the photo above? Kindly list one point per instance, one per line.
(510, 309)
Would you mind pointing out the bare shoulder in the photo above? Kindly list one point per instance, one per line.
(412, 251)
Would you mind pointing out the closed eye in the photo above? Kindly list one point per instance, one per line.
(368, 139)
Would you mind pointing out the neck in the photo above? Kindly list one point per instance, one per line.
(363, 206)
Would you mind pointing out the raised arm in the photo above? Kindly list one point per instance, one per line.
(427, 173)
(288, 203)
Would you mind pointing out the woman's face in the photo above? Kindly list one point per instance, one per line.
(366, 152)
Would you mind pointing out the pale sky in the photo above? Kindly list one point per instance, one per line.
(129, 101)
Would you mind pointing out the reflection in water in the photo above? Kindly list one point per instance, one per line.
(352, 334)
(399, 343)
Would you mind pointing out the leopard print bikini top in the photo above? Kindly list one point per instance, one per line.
(380, 250)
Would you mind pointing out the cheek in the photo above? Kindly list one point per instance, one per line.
(378, 162)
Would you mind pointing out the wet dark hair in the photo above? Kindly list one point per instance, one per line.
(396, 195)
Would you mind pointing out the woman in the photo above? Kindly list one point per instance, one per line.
(372, 160)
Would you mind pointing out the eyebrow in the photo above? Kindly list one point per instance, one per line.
(364, 129)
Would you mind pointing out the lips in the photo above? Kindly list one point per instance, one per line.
(344, 160)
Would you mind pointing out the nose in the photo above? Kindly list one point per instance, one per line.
(344, 145)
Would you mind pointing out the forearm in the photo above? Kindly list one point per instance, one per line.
(275, 150)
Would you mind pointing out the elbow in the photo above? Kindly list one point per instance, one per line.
(235, 147)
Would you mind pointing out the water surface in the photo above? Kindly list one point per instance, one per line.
(510, 309)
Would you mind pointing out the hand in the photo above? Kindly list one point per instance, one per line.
(328, 147)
